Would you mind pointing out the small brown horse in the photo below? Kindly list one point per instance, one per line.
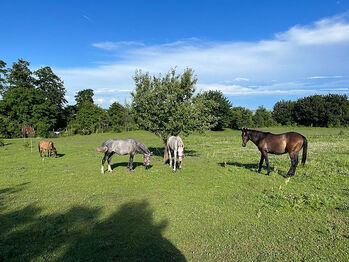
(290, 142)
(28, 130)
(47, 146)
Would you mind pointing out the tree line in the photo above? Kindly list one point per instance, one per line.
(163, 104)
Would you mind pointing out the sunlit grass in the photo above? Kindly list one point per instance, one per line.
(217, 208)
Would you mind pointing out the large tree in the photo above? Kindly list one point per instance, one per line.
(283, 112)
(241, 117)
(262, 117)
(20, 75)
(3, 76)
(83, 96)
(163, 104)
(220, 108)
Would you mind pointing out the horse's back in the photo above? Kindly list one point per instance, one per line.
(46, 144)
(121, 146)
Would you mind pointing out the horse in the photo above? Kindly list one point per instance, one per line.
(175, 144)
(290, 142)
(124, 147)
(28, 130)
(47, 146)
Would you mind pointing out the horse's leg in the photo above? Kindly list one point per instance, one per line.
(103, 161)
(294, 163)
(260, 163)
(130, 162)
(265, 154)
(109, 158)
(169, 155)
(175, 160)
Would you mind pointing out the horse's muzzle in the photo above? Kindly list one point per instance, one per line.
(243, 145)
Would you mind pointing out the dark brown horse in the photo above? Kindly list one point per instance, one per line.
(28, 130)
(47, 146)
(290, 142)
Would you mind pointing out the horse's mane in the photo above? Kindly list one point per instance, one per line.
(142, 147)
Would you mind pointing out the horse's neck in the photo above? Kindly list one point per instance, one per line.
(256, 137)
(141, 149)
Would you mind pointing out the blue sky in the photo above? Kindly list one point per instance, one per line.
(255, 52)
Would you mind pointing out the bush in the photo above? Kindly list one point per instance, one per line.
(43, 130)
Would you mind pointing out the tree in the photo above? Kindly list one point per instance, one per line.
(52, 85)
(262, 117)
(91, 118)
(241, 117)
(20, 75)
(283, 112)
(220, 109)
(163, 105)
(3, 76)
(82, 96)
(310, 111)
(117, 115)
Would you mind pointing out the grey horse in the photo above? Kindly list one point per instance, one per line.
(175, 145)
(124, 147)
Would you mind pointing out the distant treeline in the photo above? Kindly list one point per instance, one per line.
(37, 99)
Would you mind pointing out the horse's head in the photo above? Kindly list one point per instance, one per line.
(180, 153)
(146, 159)
(245, 136)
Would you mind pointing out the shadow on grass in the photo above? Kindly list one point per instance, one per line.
(159, 151)
(125, 164)
(252, 167)
(128, 234)
(60, 155)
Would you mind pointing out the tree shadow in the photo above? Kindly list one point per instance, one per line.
(128, 234)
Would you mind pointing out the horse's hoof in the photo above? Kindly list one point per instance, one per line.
(173, 171)
(268, 174)
(131, 170)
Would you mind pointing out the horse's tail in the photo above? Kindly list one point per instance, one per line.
(39, 147)
(305, 148)
(102, 149)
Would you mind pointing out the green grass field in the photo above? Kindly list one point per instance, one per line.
(217, 208)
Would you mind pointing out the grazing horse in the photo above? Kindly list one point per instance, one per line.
(28, 130)
(175, 144)
(124, 147)
(47, 146)
(290, 142)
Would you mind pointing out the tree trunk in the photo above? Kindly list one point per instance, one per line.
(165, 152)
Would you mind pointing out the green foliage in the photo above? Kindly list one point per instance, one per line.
(163, 105)
(119, 117)
(283, 112)
(29, 100)
(43, 129)
(219, 108)
(3, 76)
(91, 118)
(83, 96)
(262, 117)
(241, 117)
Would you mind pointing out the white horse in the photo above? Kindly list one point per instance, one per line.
(175, 145)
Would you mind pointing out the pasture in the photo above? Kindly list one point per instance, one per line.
(217, 208)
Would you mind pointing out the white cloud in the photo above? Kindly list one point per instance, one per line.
(100, 100)
(276, 66)
(239, 79)
(324, 77)
(107, 45)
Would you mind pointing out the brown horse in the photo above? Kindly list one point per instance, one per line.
(28, 130)
(47, 146)
(290, 142)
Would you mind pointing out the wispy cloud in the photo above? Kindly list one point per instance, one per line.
(116, 45)
(287, 64)
(324, 77)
